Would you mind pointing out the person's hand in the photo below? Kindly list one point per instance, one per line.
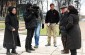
(42, 26)
(13, 29)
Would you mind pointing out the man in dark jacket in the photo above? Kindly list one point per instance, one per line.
(30, 23)
(63, 22)
(52, 18)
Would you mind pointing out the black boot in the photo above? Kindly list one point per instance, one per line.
(65, 51)
(8, 52)
(28, 51)
(14, 51)
(32, 49)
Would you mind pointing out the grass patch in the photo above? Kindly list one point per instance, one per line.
(43, 32)
(2, 25)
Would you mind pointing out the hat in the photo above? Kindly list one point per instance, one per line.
(10, 9)
(63, 7)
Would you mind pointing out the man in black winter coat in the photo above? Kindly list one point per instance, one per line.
(52, 18)
(30, 23)
(62, 25)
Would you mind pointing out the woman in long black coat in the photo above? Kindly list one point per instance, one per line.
(73, 31)
(11, 37)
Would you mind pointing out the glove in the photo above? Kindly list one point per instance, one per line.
(42, 26)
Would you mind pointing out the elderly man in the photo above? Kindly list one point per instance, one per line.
(64, 16)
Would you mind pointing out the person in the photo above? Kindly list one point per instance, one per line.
(63, 22)
(52, 18)
(11, 36)
(40, 20)
(30, 24)
(73, 30)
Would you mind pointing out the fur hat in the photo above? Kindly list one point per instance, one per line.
(62, 7)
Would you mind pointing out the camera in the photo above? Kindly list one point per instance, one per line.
(35, 10)
(35, 7)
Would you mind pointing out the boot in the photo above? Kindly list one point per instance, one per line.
(28, 51)
(65, 51)
(36, 46)
(48, 44)
(32, 49)
(8, 52)
(55, 45)
(14, 51)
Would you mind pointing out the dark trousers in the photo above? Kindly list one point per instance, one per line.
(73, 52)
(13, 50)
(64, 41)
(29, 37)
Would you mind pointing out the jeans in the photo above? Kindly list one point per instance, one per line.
(37, 33)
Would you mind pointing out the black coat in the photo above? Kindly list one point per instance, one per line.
(11, 39)
(63, 22)
(73, 32)
(52, 16)
(30, 20)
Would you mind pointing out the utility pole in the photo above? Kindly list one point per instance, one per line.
(47, 5)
